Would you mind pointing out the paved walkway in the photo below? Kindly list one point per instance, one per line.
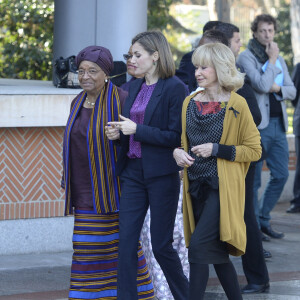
(46, 276)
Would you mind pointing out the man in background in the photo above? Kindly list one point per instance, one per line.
(253, 261)
(272, 85)
(295, 203)
(186, 71)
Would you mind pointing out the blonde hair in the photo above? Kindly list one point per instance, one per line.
(153, 41)
(221, 58)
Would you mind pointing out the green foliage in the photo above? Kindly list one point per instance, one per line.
(179, 31)
(158, 13)
(283, 34)
(26, 39)
(26, 35)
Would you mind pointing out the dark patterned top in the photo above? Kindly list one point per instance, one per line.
(204, 124)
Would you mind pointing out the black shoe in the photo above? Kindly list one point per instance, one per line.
(293, 209)
(267, 254)
(252, 288)
(265, 238)
(273, 234)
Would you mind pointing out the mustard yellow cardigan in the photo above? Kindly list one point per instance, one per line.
(239, 130)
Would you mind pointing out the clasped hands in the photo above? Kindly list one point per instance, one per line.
(112, 130)
(183, 159)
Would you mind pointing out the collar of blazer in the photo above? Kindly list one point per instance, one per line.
(154, 100)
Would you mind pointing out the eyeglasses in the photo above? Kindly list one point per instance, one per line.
(127, 56)
(90, 73)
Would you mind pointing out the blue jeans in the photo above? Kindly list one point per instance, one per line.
(274, 141)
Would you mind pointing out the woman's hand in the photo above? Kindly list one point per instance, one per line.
(204, 150)
(112, 132)
(127, 126)
(182, 158)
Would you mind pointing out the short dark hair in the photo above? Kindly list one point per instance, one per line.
(228, 29)
(210, 25)
(263, 18)
(214, 36)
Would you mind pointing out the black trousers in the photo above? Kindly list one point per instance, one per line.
(205, 246)
(253, 261)
(161, 194)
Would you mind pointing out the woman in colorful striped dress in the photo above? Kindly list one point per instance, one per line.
(91, 187)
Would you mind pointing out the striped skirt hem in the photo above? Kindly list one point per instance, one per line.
(95, 258)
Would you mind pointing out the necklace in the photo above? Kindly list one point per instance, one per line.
(88, 102)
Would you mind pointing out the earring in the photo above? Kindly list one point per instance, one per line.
(106, 80)
(153, 63)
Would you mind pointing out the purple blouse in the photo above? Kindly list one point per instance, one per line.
(80, 179)
(137, 114)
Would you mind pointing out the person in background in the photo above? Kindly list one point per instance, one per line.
(232, 32)
(92, 188)
(149, 131)
(210, 25)
(272, 85)
(160, 284)
(253, 261)
(219, 140)
(130, 70)
(186, 71)
(295, 203)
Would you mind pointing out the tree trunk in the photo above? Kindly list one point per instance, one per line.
(222, 8)
(211, 4)
(219, 10)
(295, 29)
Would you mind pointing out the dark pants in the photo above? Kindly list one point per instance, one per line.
(253, 261)
(205, 245)
(161, 194)
(296, 189)
(206, 248)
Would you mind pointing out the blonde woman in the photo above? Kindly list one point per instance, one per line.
(219, 140)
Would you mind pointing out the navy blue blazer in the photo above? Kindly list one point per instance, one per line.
(186, 67)
(296, 102)
(161, 131)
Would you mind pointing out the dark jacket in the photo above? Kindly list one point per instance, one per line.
(161, 131)
(186, 67)
(246, 91)
(296, 102)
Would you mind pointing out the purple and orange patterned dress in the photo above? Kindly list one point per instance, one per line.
(93, 190)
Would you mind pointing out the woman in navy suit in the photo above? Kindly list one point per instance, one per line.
(149, 131)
